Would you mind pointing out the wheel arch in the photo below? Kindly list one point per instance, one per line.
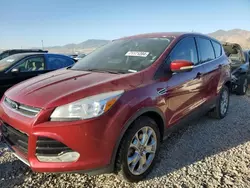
(228, 84)
(151, 112)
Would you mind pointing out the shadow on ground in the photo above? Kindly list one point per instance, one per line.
(205, 137)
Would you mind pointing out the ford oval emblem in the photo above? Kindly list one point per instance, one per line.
(14, 105)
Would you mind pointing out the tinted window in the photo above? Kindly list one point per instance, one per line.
(32, 64)
(185, 50)
(206, 50)
(217, 49)
(56, 62)
(124, 56)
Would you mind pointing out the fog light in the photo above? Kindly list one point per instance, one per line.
(66, 157)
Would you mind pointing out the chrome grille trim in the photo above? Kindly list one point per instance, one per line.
(31, 109)
(21, 109)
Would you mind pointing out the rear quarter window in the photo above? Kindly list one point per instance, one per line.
(57, 62)
(217, 49)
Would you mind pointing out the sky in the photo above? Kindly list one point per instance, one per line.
(58, 22)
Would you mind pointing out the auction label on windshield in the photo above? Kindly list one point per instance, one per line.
(137, 53)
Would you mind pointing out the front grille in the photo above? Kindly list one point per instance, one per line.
(21, 108)
(50, 147)
(15, 138)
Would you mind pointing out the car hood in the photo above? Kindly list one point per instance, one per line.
(64, 86)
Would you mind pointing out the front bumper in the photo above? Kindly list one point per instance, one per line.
(96, 171)
(94, 140)
(94, 153)
(17, 154)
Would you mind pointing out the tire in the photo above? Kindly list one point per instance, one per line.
(243, 85)
(126, 151)
(220, 111)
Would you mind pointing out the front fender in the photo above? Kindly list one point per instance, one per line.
(129, 122)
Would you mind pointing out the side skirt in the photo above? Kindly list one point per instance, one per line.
(200, 111)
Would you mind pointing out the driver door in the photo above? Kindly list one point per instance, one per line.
(23, 70)
(185, 90)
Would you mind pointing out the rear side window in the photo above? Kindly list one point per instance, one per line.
(206, 51)
(56, 62)
(185, 50)
(217, 49)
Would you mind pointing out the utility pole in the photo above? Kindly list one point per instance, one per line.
(42, 44)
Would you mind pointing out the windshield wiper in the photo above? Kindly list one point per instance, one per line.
(106, 71)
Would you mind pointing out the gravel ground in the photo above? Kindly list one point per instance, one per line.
(208, 153)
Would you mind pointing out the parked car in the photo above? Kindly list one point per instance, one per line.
(8, 53)
(240, 67)
(73, 56)
(77, 58)
(19, 67)
(111, 110)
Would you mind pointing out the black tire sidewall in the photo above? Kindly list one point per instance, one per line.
(240, 89)
(137, 125)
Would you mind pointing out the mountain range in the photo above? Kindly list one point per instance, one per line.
(83, 47)
(239, 36)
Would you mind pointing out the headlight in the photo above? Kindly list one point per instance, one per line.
(86, 108)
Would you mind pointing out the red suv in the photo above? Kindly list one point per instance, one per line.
(111, 111)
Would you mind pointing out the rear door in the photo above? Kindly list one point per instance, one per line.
(210, 55)
(184, 90)
(55, 62)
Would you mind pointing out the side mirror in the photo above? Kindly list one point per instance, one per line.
(15, 70)
(181, 66)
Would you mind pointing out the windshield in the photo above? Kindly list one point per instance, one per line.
(124, 56)
(8, 61)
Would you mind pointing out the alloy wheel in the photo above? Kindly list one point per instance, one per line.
(142, 150)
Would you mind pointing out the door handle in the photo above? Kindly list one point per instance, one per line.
(161, 91)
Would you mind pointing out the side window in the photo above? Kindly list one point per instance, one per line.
(217, 49)
(185, 50)
(32, 64)
(206, 50)
(56, 62)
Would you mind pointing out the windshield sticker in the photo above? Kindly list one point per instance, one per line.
(137, 54)
(10, 60)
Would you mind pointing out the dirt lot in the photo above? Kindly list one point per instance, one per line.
(207, 153)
